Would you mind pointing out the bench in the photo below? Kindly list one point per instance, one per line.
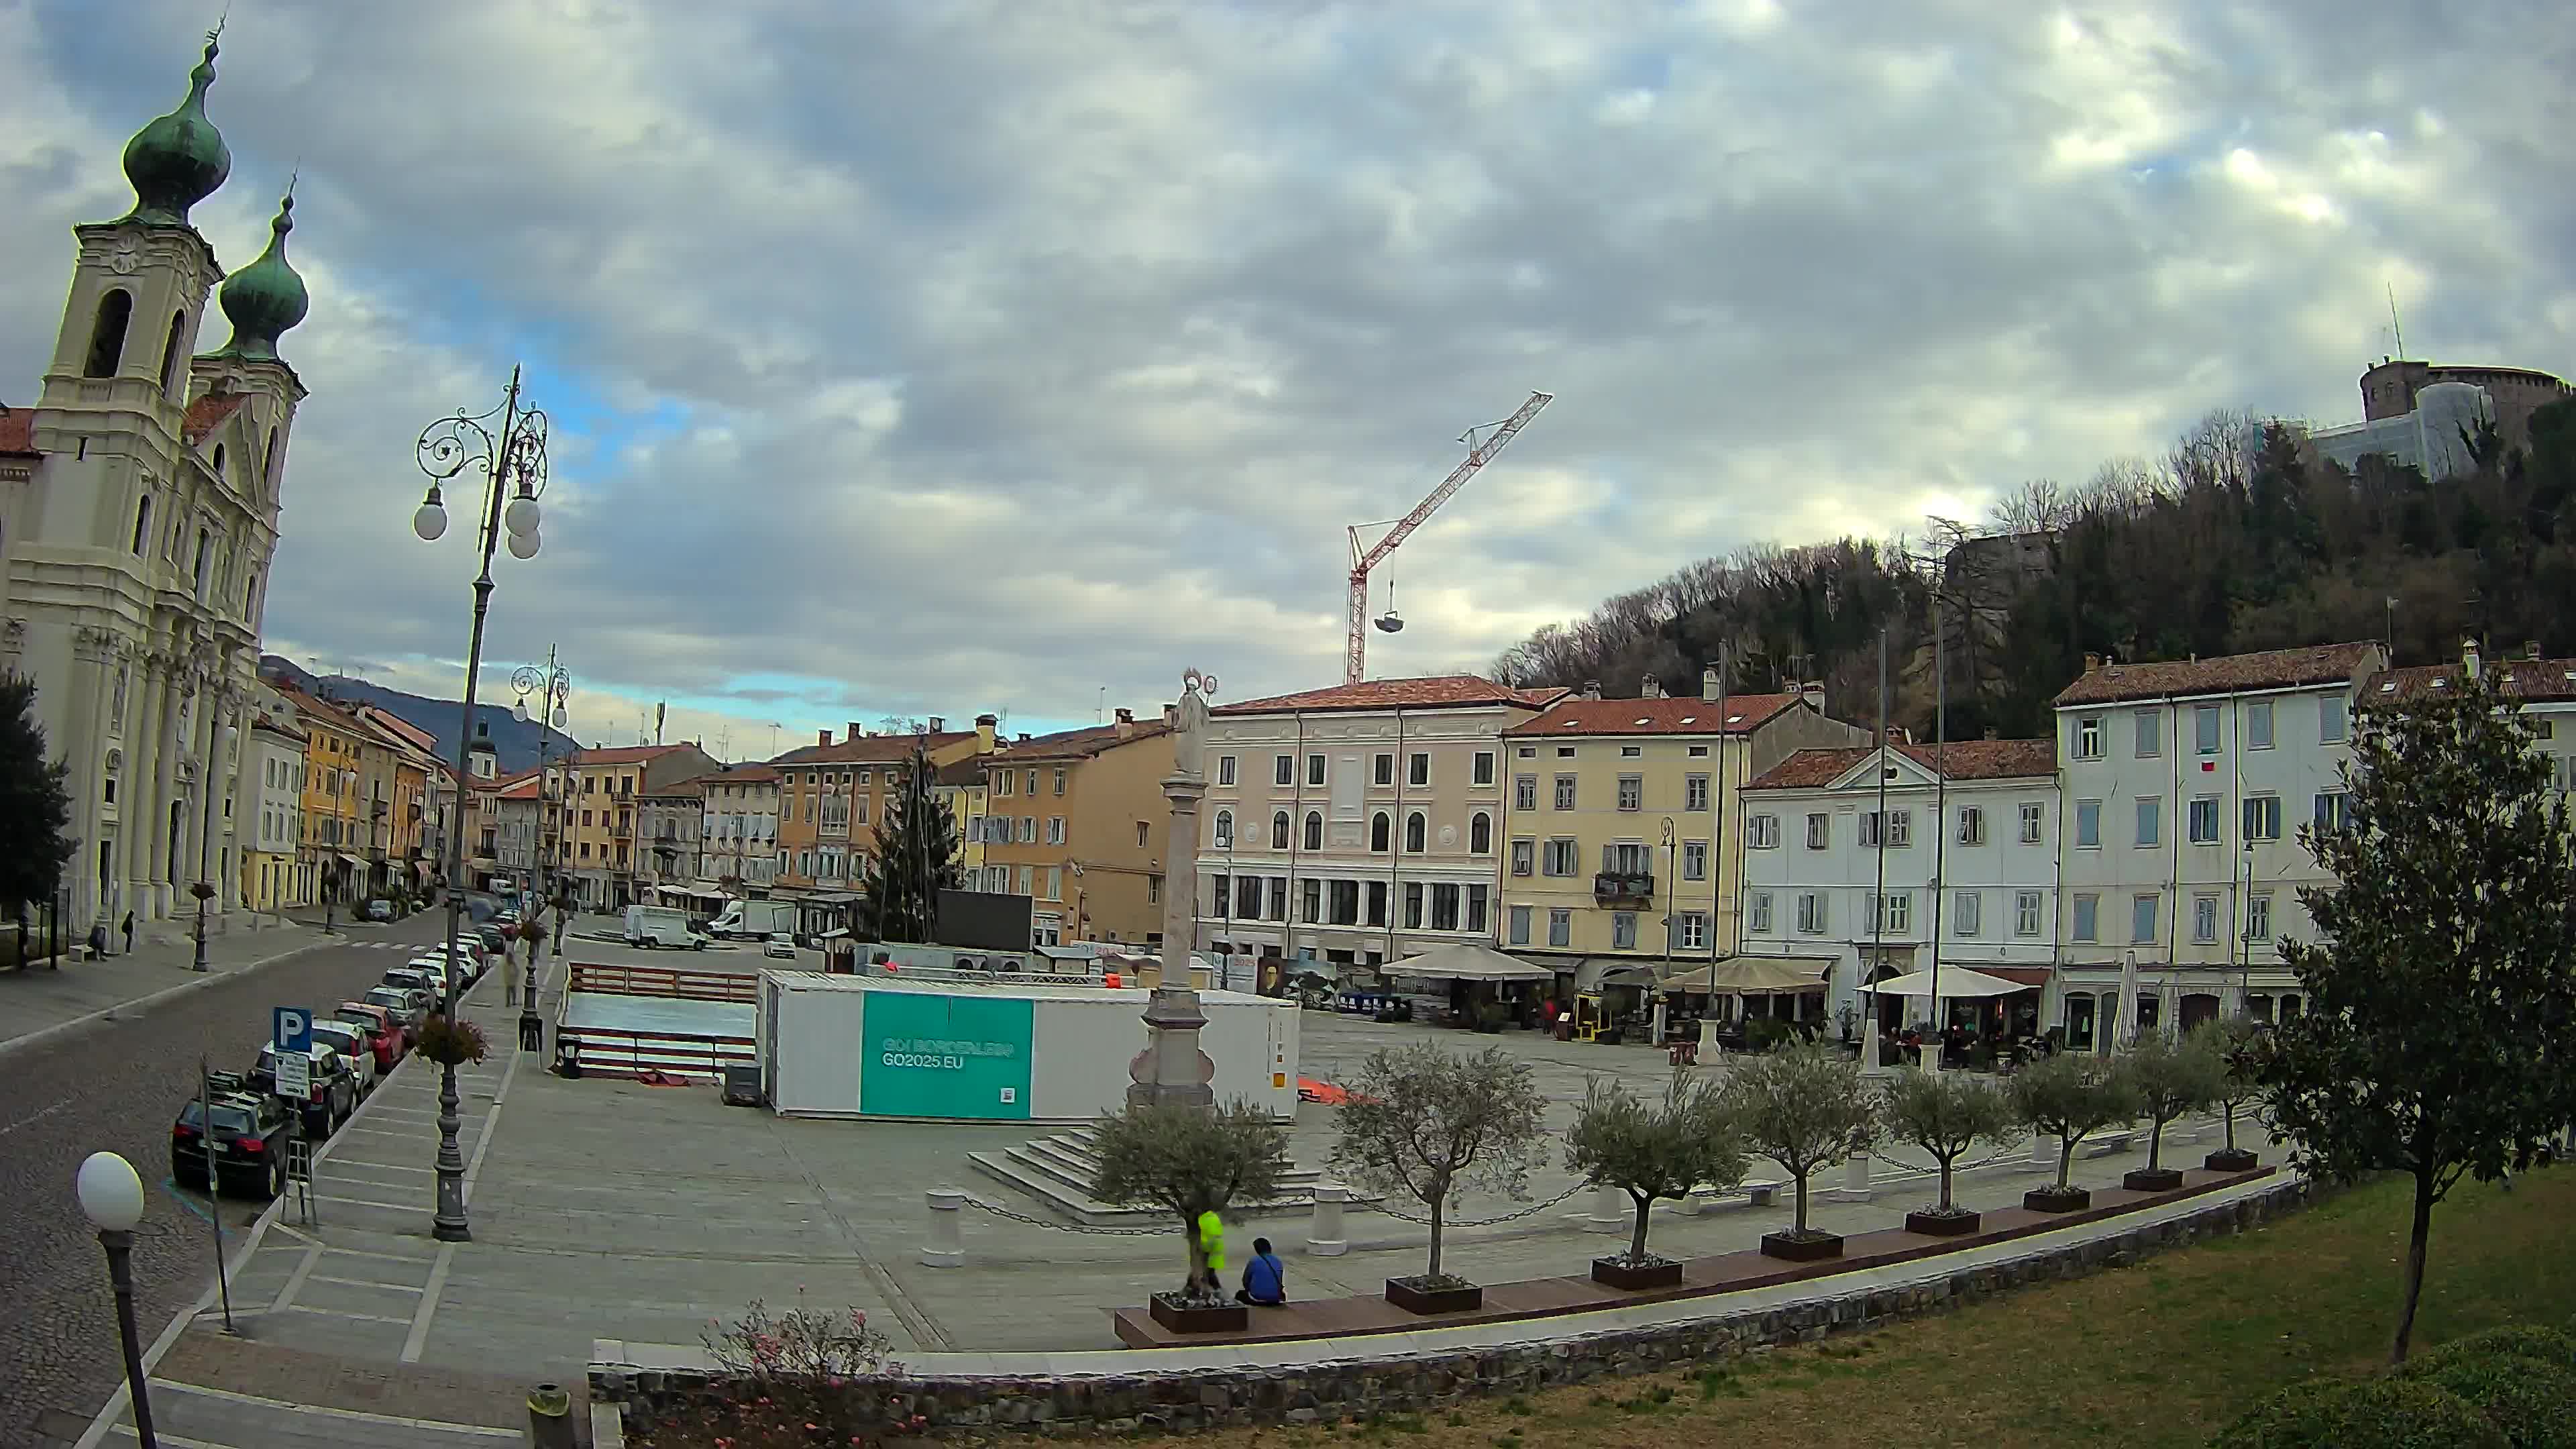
(1760, 1192)
(2104, 1144)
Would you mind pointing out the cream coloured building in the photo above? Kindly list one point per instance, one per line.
(1358, 824)
(138, 514)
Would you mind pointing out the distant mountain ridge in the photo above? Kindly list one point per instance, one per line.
(514, 743)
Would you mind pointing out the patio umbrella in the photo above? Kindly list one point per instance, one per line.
(2121, 1032)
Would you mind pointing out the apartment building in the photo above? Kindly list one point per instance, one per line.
(2546, 689)
(401, 821)
(1865, 863)
(512, 836)
(1083, 827)
(599, 850)
(740, 832)
(833, 797)
(964, 787)
(1358, 824)
(669, 819)
(335, 870)
(2184, 783)
(272, 804)
(1619, 822)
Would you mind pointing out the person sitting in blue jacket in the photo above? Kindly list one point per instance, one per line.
(1265, 1278)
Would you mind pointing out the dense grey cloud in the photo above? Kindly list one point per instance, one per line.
(932, 358)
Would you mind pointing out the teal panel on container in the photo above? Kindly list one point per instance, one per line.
(946, 1056)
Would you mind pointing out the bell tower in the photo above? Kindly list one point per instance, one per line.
(116, 391)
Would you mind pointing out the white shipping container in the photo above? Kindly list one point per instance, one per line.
(976, 1051)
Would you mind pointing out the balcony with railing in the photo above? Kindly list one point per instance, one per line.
(1623, 888)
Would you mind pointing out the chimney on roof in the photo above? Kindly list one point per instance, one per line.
(1024, 737)
(939, 724)
(986, 726)
(822, 737)
(1993, 734)
(2530, 648)
(856, 733)
(1814, 694)
(1709, 686)
(1652, 688)
(1127, 722)
(2469, 657)
(2092, 663)
(1592, 689)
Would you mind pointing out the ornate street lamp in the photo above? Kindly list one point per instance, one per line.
(513, 463)
(552, 685)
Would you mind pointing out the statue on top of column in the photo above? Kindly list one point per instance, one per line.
(1189, 735)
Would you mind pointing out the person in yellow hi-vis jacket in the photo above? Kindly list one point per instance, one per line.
(1212, 1255)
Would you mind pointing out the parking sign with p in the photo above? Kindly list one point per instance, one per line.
(291, 1029)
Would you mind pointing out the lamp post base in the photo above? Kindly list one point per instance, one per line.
(120, 1275)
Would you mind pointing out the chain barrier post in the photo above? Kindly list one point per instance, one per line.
(1855, 1186)
(2043, 1153)
(1326, 1237)
(946, 1247)
(1609, 1210)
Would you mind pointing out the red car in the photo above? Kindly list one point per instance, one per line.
(384, 1035)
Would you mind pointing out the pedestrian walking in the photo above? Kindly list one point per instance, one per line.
(129, 933)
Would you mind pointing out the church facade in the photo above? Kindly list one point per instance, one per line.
(138, 516)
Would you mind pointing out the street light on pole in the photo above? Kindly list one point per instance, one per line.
(552, 686)
(513, 464)
(111, 1197)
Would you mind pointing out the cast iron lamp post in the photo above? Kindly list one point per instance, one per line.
(553, 687)
(513, 464)
(111, 1197)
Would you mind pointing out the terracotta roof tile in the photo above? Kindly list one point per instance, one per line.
(1083, 743)
(1742, 714)
(870, 749)
(18, 432)
(322, 709)
(1959, 760)
(1441, 691)
(208, 413)
(2271, 669)
(744, 775)
(524, 788)
(2532, 679)
(622, 754)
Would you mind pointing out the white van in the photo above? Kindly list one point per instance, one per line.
(650, 926)
(754, 920)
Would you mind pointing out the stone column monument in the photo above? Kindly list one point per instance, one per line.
(1171, 1070)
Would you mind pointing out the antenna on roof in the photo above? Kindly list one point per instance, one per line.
(2398, 331)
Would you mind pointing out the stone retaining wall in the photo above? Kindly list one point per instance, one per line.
(973, 1406)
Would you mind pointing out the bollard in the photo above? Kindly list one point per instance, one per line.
(946, 1247)
(549, 1417)
(2043, 1153)
(1325, 1237)
(1610, 1211)
(1855, 1186)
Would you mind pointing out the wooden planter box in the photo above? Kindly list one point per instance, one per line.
(2152, 1179)
(1942, 1225)
(2050, 1200)
(1414, 1296)
(2231, 1159)
(1187, 1318)
(1615, 1273)
(1802, 1250)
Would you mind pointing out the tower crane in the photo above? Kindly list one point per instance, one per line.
(1482, 444)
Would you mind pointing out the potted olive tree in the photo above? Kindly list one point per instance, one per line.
(1805, 1108)
(2170, 1077)
(1945, 1114)
(1189, 1162)
(2239, 1045)
(1651, 1151)
(2069, 1096)
(1428, 1124)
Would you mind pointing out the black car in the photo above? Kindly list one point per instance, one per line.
(249, 1131)
(334, 1093)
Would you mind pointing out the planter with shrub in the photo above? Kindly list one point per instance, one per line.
(1650, 1151)
(1434, 1293)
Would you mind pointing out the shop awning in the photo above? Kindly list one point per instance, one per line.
(1752, 975)
(1467, 961)
(2028, 976)
(1956, 981)
(354, 862)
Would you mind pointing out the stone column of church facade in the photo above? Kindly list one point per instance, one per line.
(93, 650)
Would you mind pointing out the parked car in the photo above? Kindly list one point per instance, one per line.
(380, 910)
(383, 1030)
(355, 1049)
(431, 979)
(249, 1131)
(333, 1093)
(491, 939)
(409, 1007)
(779, 948)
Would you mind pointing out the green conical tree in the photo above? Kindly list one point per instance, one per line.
(916, 859)
(35, 808)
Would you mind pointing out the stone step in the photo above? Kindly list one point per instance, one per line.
(1057, 1171)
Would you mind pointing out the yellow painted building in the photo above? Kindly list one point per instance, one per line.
(598, 853)
(271, 827)
(964, 787)
(332, 851)
(1086, 823)
(1622, 823)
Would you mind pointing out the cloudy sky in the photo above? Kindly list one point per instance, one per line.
(927, 358)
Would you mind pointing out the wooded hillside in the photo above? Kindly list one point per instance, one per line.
(2238, 538)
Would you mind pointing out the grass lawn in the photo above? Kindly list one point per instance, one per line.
(2163, 1353)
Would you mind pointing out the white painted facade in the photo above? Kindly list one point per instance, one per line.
(2180, 844)
(1970, 865)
